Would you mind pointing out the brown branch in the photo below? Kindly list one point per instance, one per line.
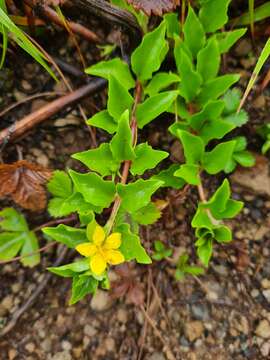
(28, 122)
(48, 13)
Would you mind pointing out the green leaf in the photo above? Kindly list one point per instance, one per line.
(191, 80)
(208, 60)
(119, 99)
(168, 178)
(146, 158)
(219, 199)
(190, 173)
(146, 215)
(71, 269)
(244, 158)
(193, 146)
(10, 244)
(266, 147)
(240, 143)
(231, 100)
(159, 246)
(215, 161)
(60, 184)
(205, 252)
(223, 234)
(172, 24)
(194, 32)
(213, 14)
(211, 111)
(82, 285)
(214, 88)
(227, 39)
(131, 246)
(237, 119)
(201, 219)
(103, 120)
(121, 144)
(93, 188)
(138, 194)
(23, 41)
(160, 81)
(215, 129)
(115, 67)
(100, 160)
(30, 245)
(67, 235)
(11, 220)
(194, 270)
(149, 55)
(154, 106)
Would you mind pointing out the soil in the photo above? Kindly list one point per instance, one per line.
(224, 314)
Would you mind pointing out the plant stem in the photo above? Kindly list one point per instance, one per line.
(127, 163)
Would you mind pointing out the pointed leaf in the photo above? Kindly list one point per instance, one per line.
(115, 67)
(82, 286)
(154, 106)
(60, 184)
(30, 245)
(100, 160)
(103, 120)
(214, 88)
(10, 244)
(208, 60)
(168, 178)
(147, 215)
(194, 32)
(190, 173)
(193, 146)
(146, 158)
(149, 55)
(121, 144)
(216, 160)
(227, 39)
(160, 81)
(211, 111)
(138, 194)
(71, 269)
(67, 235)
(93, 188)
(213, 14)
(119, 99)
(205, 252)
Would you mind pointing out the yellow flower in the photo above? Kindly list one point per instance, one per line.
(102, 250)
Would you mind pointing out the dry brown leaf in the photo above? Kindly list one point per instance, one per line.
(156, 7)
(23, 182)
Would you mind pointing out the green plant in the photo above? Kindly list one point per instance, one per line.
(9, 29)
(183, 268)
(264, 132)
(15, 237)
(161, 251)
(118, 181)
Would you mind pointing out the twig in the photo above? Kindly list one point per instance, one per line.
(29, 98)
(16, 316)
(28, 122)
(158, 334)
(48, 13)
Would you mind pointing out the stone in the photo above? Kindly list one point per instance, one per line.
(66, 345)
(12, 353)
(101, 301)
(243, 48)
(7, 303)
(259, 102)
(200, 312)
(110, 345)
(263, 329)
(46, 345)
(30, 347)
(266, 294)
(61, 355)
(89, 330)
(122, 316)
(265, 283)
(265, 349)
(157, 356)
(194, 330)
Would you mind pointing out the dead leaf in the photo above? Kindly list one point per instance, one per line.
(156, 7)
(256, 178)
(23, 182)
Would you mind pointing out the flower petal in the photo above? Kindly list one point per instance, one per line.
(113, 241)
(98, 264)
(86, 249)
(114, 257)
(99, 235)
